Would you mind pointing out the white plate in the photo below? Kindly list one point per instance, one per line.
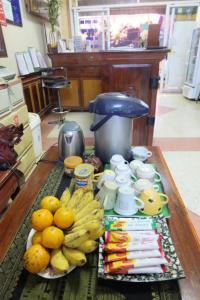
(48, 273)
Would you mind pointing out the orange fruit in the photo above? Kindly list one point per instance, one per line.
(41, 219)
(51, 203)
(36, 259)
(52, 237)
(63, 218)
(37, 238)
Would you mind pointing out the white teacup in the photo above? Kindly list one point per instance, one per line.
(107, 194)
(134, 164)
(123, 169)
(107, 175)
(143, 184)
(122, 181)
(140, 153)
(127, 203)
(146, 171)
(116, 160)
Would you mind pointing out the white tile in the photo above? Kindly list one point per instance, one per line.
(178, 123)
(182, 122)
(177, 101)
(185, 169)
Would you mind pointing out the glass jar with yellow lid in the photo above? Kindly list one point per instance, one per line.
(71, 162)
(84, 176)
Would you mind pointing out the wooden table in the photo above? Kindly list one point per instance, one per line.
(182, 231)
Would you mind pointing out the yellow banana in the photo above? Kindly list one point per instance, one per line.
(88, 246)
(86, 210)
(91, 225)
(78, 241)
(75, 257)
(72, 236)
(58, 261)
(84, 219)
(65, 197)
(75, 198)
(101, 213)
(94, 235)
(87, 197)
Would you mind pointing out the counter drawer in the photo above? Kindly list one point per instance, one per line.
(4, 102)
(27, 161)
(25, 142)
(16, 94)
(17, 117)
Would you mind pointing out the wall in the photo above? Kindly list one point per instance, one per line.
(18, 39)
(65, 20)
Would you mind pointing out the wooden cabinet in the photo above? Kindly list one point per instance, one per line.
(70, 95)
(37, 98)
(17, 116)
(9, 183)
(91, 88)
(134, 73)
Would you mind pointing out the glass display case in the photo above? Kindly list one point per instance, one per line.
(92, 27)
(191, 88)
(111, 28)
(193, 56)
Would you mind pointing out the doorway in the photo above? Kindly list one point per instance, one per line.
(179, 25)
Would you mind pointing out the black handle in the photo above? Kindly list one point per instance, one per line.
(96, 126)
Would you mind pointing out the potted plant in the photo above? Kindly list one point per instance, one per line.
(53, 14)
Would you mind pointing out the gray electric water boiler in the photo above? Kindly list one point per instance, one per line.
(70, 140)
(113, 123)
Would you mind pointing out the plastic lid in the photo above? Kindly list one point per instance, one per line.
(70, 126)
(34, 120)
(84, 170)
(118, 104)
(72, 161)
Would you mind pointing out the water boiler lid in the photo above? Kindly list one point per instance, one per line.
(118, 104)
(70, 126)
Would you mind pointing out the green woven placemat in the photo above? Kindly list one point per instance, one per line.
(81, 283)
(11, 267)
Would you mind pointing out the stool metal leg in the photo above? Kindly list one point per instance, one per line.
(59, 111)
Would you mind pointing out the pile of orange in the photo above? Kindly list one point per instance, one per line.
(48, 221)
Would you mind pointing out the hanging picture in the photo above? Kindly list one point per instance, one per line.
(38, 8)
(186, 13)
(2, 15)
(3, 52)
(12, 12)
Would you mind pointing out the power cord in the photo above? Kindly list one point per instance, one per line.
(46, 160)
(18, 174)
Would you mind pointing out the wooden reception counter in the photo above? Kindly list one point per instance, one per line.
(133, 72)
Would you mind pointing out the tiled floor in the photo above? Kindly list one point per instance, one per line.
(177, 132)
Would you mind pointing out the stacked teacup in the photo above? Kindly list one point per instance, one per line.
(122, 186)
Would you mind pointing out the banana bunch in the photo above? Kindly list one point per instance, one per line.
(81, 237)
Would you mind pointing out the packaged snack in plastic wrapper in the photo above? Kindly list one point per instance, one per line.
(124, 265)
(133, 224)
(129, 236)
(143, 270)
(133, 255)
(132, 246)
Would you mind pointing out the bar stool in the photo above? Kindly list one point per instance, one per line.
(51, 80)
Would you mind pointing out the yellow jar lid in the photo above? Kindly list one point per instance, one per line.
(72, 161)
(83, 170)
